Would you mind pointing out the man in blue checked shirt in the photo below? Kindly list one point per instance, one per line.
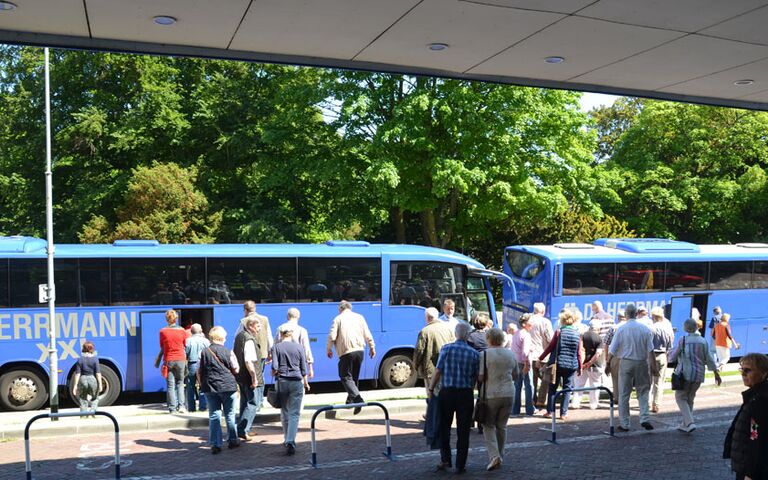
(457, 368)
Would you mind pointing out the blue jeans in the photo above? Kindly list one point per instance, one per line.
(217, 401)
(291, 392)
(248, 407)
(526, 380)
(568, 376)
(175, 384)
(192, 393)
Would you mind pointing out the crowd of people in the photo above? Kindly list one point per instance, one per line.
(516, 372)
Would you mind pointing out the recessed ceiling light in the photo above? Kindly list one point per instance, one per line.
(437, 47)
(554, 60)
(164, 20)
(5, 6)
(743, 83)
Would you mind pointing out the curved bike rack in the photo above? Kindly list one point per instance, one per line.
(327, 408)
(54, 416)
(584, 389)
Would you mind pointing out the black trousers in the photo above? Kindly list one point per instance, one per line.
(459, 401)
(349, 373)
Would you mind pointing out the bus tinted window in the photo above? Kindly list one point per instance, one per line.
(336, 279)
(3, 283)
(524, 265)
(158, 281)
(424, 283)
(730, 275)
(94, 281)
(27, 275)
(760, 278)
(639, 277)
(686, 276)
(588, 278)
(263, 280)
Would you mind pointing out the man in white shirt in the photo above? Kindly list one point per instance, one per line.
(300, 336)
(449, 308)
(632, 343)
(541, 334)
(349, 334)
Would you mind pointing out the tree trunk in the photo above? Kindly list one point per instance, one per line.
(398, 222)
(428, 227)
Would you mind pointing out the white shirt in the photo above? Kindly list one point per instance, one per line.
(452, 321)
(632, 341)
(541, 334)
(300, 336)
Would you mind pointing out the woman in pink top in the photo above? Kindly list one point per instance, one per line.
(522, 348)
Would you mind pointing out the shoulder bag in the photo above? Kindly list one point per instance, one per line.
(678, 380)
(481, 406)
(273, 396)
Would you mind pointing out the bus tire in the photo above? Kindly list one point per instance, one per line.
(22, 390)
(110, 387)
(397, 371)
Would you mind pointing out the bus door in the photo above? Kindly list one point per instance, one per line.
(150, 324)
(679, 311)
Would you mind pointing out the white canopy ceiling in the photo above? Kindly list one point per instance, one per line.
(707, 51)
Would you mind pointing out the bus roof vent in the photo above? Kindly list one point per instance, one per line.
(19, 244)
(136, 243)
(752, 245)
(347, 243)
(574, 246)
(647, 245)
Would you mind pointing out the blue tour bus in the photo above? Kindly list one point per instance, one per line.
(650, 272)
(116, 296)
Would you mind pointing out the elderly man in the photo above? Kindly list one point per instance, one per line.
(663, 337)
(300, 336)
(449, 308)
(428, 344)
(263, 340)
(246, 351)
(456, 373)
(632, 343)
(601, 319)
(349, 334)
(195, 345)
(541, 334)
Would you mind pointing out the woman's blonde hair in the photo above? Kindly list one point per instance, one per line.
(758, 361)
(217, 334)
(171, 316)
(567, 317)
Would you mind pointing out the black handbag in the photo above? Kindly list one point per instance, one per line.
(481, 406)
(273, 397)
(678, 380)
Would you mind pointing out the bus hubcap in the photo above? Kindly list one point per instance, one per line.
(400, 372)
(23, 390)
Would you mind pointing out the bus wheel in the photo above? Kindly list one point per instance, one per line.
(110, 386)
(22, 390)
(397, 371)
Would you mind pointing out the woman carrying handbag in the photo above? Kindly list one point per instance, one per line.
(566, 343)
(497, 393)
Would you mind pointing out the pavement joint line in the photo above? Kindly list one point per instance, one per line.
(407, 456)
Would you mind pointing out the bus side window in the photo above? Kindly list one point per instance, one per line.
(4, 283)
(336, 279)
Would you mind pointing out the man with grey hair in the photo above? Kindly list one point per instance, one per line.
(541, 334)
(246, 350)
(300, 336)
(195, 344)
(632, 343)
(456, 373)
(428, 344)
(449, 308)
(601, 319)
(349, 334)
(264, 341)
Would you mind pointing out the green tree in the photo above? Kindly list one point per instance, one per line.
(162, 203)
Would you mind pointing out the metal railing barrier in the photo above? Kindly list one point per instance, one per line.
(584, 389)
(327, 408)
(54, 416)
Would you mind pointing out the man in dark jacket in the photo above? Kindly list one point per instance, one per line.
(246, 350)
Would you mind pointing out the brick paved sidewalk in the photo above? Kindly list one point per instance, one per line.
(353, 448)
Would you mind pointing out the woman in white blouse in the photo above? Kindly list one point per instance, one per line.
(497, 365)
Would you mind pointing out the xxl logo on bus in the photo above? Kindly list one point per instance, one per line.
(73, 328)
(613, 308)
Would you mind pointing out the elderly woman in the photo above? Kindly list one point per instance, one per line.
(497, 365)
(566, 351)
(693, 356)
(289, 367)
(216, 375)
(746, 443)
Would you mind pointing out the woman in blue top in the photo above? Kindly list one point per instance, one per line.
(566, 345)
(87, 379)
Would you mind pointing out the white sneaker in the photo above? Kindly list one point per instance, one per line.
(690, 428)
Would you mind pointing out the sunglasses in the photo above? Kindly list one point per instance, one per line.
(745, 371)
